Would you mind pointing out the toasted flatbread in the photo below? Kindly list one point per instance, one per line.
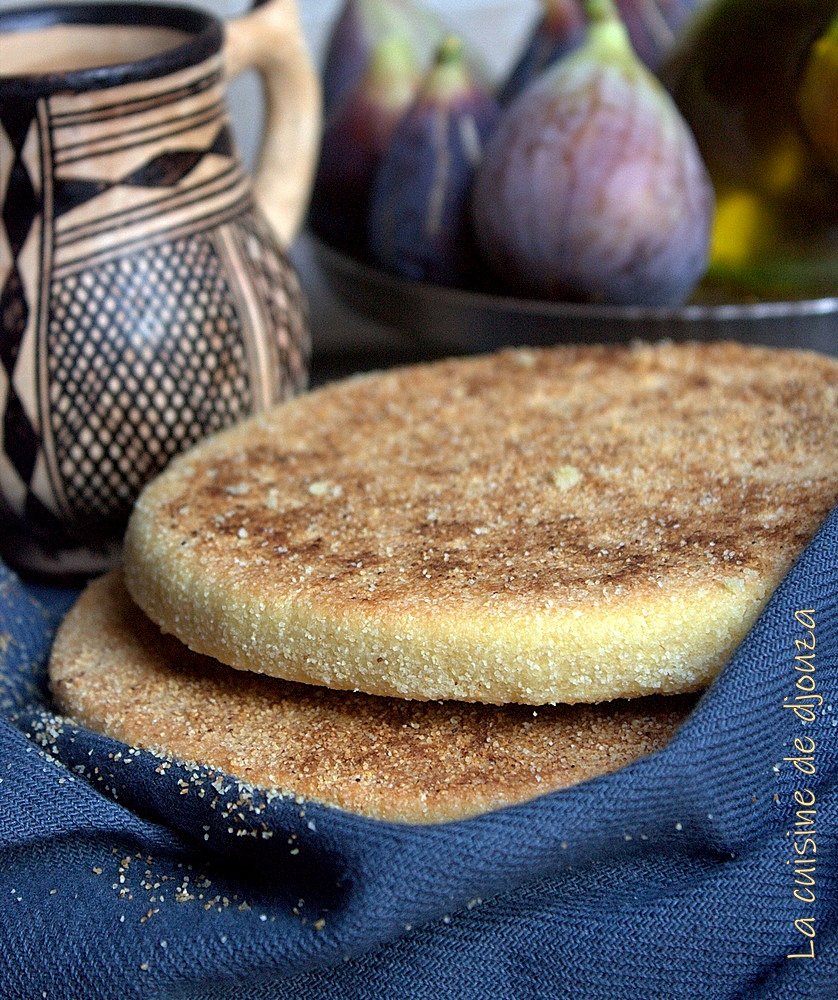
(566, 525)
(113, 670)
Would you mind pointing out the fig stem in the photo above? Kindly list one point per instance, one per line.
(392, 70)
(392, 58)
(601, 10)
(450, 50)
(607, 35)
(449, 74)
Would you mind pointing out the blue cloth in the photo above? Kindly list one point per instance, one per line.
(122, 877)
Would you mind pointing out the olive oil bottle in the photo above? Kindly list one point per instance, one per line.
(748, 76)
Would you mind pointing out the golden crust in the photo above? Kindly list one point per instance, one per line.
(572, 524)
(397, 760)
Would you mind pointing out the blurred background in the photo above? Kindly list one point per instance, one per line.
(498, 30)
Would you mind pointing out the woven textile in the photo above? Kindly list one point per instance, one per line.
(693, 873)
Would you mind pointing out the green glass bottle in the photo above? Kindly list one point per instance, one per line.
(740, 77)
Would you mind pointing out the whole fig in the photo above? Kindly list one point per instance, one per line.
(354, 142)
(560, 30)
(592, 186)
(361, 25)
(419, 223)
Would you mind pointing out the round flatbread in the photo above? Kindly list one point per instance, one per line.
(411, 761)
(565, 525)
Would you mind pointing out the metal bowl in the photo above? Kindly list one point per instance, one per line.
(461, 321)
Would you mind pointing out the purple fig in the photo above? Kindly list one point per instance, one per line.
(560, 30)
(355, 140)
(361, 25)
(654, 25)
(592, 186)
(419, 220)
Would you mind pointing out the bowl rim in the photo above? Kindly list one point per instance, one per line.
(698, 313)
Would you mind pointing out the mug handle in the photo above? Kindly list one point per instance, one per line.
(270, 39)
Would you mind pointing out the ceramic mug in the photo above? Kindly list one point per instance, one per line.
(145, 299)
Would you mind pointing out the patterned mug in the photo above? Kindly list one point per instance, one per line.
(145, 300)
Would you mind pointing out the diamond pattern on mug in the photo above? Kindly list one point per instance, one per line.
(146, 357)
(21, 208)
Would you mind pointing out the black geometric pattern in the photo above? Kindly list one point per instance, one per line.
(41, 521)
(70, 192)
(170, 311)
(146, 358)
(164, 170)
(20, 212)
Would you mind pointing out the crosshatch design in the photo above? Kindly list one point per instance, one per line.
(278, 289)
(146, 356)
(144, 304)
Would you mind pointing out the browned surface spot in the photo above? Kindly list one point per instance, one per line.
(560, 474)
(414, 761)
(566, 525)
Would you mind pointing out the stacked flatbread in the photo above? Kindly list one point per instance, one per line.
(400, 566)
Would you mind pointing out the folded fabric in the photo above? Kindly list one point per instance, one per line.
(707, 870)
